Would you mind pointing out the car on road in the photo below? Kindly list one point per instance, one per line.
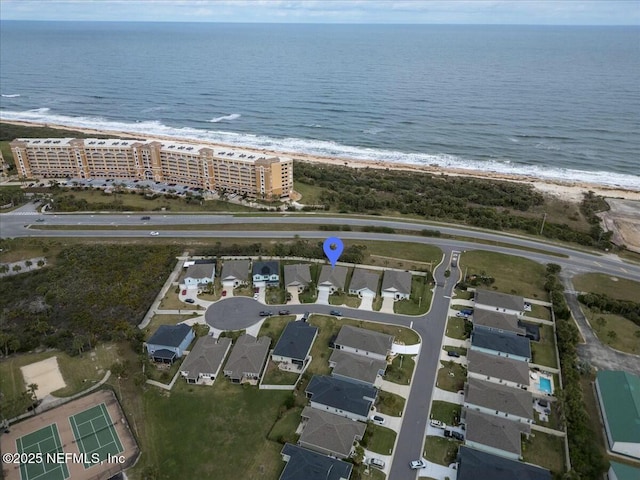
(189, 300)
(418, 464)
(453, 354)
(266, 313)
(284, 312)
(376, 462)
(377, 419)
(40, 220)
(437, 424)
(154, 234)
(336, 313)
(146, 217)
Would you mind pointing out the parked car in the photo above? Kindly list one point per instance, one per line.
(154, 234)
(377, 419)
(418, 464)
(453, 354)
(224, 293)
(266, 313)
(462, 315)
(437, 424)
(189, 300)
(336, 313)
(467, 311)
(453, 434)
(184, 292)
(284, 312)
(305, 317)
(376, 462)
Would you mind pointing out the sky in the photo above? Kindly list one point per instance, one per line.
(538, 12)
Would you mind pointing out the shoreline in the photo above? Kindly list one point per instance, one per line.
(567, 191)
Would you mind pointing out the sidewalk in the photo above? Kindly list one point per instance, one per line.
(163, 291)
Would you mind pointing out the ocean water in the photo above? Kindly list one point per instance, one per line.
(552, 102)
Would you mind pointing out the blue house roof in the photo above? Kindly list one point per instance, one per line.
(352, 397)
(474, 464)
(304, 464)
(501, 342)
(170, 335)
(295, 341)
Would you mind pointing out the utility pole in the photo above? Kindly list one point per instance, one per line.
(543, 220)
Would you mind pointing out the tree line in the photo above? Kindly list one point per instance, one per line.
(605, 304)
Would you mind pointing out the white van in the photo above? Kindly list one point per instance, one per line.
(376, 462)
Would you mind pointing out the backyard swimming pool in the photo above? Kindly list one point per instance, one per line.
(545, 385)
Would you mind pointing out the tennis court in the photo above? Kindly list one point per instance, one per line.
(44, 441)
(95, 432)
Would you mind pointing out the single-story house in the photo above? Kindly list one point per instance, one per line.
(247, 359)
(332, 279)
(358, 368)
(474, 464)
(364, 342)
(205, 360)
(499, 400)
(295, 343)
(199, 274)
(329, 434)
(348, 399)
(494, 368)
(495, 435)
(298, 276)
(622, 471)
(169, 342)
(364, 283)
(499, 302)
(396, 284)
(266, 272)
(303, 464)
(497, 322)
(235, 273)
(502, 344)
(619, 400)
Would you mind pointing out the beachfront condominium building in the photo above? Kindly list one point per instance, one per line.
(208, 167)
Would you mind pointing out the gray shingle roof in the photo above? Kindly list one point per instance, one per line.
(491, 395)
(170, 335)
(500, 300)
(366, 340)
(248, 356)
(330, 432)
(335, 277)
(364, 279)
(341, 394)
(295, 275)
(398, 281)
(356, 366)
(235, 269)
(205, 270)
(304, 464)
(474, 464)
(205, 356)
(498, 321)
(266, 268)
(296, 340)
(501, 342)
(498, 367)
(495, 432)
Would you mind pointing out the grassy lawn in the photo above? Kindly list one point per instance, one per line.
(244, 291)
(540, 311)
(459, 350)
(440, 450)
(420, 299)
(456, 328)
(544, 351)
(78, 372)
(593, 412)
(400, 374)
(377, 303)
(513, 275)
(275, 376)
(169, 319)
(446, 412)
(615, 331)
(620, 288)
(275, 296)
(171, 302)
(403, 255)
(390, 404)
(451, 376)
(229, 424)
(463, 295)
(308, 296)
(379, 439)
(310, 193)
(546, 451)
(341, 298)
(272, 327)
(284, 430)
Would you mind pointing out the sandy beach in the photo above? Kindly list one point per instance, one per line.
(562, 190)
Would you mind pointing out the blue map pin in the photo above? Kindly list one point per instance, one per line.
(333, 247)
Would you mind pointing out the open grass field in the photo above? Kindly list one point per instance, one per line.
(451, 376)
(593, 412)
(310, 193)
(446, 412)
(404, 251)
(513, 275)
(390, 404)
(380, 439)
(272, 327)
(540, 311)
(614, 287)
(456, 327)
(615, 331)
(440, 450)
(546, 451)
(284, 428)
(544, 351)
(401, 369)
(420, 299)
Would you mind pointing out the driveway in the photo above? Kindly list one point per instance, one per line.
(402, 390)
(387, 305)
(447, 396)
(439, 472)
(323, 296)
(366, 303)
(295, 299)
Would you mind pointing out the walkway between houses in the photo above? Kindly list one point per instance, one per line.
(402, 390)
(446, 396)
(535, 320)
